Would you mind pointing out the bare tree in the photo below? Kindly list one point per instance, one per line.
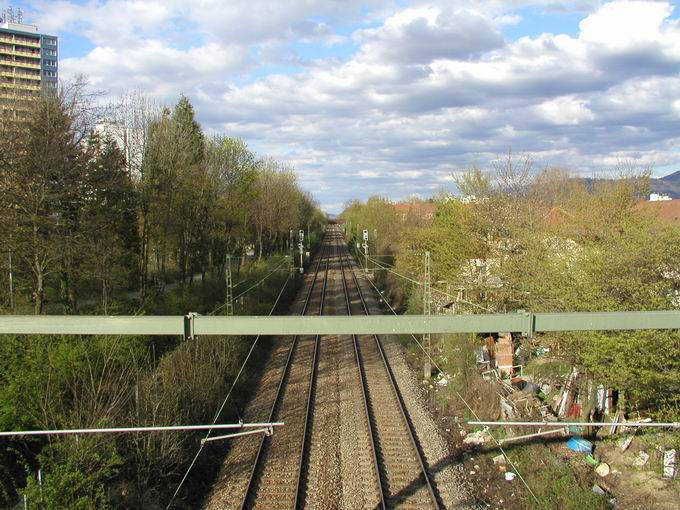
(513, 175)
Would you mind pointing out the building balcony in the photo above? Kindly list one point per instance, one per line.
(24, 42)
(23, 64)
(18, 53)
(19, 86)
(16, 97)
(20, 42)
(10, 74)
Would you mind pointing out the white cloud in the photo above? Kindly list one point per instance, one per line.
(158, 68)
(421, 35)
(432, 86)
(566, 110)
(623, 25)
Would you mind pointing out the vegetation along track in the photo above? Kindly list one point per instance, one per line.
(347, 443)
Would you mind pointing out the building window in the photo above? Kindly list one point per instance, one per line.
(51, 42)
(51, 74)
(50, 62)
(51, 53)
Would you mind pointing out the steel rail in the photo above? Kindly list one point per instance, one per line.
(364, 392)
(284, 377)
(402, 407)
(311, 393)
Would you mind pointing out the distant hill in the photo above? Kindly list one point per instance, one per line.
(668, 185)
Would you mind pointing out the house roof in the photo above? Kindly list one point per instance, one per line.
(422, 209)
(667, 210)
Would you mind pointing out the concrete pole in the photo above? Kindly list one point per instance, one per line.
(427, 310)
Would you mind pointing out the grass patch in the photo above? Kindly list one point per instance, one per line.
(553, 481)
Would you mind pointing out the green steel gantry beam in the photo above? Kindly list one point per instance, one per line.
(195, 325)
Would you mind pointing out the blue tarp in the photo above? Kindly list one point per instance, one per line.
(578, 444)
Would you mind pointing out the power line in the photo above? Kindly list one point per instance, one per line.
(249, 288)
(126, 430)
(434, 289)
(389, 269)
(224, 402)
(260, 281)
(466, 404)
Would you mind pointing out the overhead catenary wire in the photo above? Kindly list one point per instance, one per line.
(249, 288)
(434, 289)
(512, 464)
(389, 269)
(224, 402)
(260, 280)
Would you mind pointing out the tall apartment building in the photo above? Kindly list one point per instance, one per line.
(28, 59)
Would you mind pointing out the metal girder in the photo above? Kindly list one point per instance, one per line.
(196, 325)
(91, 325)
(607, 321)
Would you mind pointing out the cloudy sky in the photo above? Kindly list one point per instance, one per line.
(394, 96)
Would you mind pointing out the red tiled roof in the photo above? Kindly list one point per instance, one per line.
(667, 210)
(422, 209)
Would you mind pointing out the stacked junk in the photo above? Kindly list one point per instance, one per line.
(568, 397)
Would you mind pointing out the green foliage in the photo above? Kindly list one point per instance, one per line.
(75, 475)
(458, 360)
(546, 242)
(553, 481)
(644, 363)
(183, 115)
(92, 232)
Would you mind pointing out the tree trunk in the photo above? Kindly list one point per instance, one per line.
(68, 295)
(144, 273)
(105, 297)
(39, 293)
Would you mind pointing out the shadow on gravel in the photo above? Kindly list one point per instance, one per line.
(468, 501)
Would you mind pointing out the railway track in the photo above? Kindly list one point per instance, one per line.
(276, 477)
(384, 467)
(399, 465)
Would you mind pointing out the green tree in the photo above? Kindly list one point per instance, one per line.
(109, 220)
(43, 190)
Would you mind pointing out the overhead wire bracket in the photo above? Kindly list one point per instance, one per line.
(189, 325)
(268, 431)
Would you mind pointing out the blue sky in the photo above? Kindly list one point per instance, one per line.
(394, 97)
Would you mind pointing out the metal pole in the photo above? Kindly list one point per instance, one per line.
(358, 237)
(365, 246)
(230, 287)
(674, 425)
(11, 283)
(42, 500)
(564, 431)
(291, 249)
(427, 310)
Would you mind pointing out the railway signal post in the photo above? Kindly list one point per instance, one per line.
(365, 246)
(301, 247)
